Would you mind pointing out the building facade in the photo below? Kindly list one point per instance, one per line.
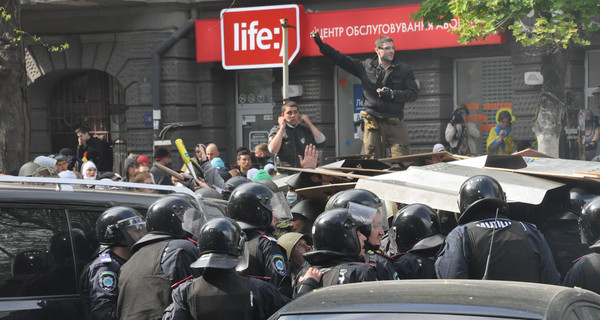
(105, 81)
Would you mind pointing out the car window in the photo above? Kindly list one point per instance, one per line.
(36, 256)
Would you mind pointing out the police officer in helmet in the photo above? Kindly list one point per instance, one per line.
(416, 234)
(518, 251)
(161, 259)
(256, 209)
(117, 228)
(338, 245)
(221, 293)
(374, 232)
(586, 271)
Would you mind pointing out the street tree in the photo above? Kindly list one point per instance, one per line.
(549, 27)
(14, 119)
(14, 116)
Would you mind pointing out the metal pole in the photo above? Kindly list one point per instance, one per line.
(284, 26)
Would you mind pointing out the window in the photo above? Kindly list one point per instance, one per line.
(485, 86)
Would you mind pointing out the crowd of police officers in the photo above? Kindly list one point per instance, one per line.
(179, 263)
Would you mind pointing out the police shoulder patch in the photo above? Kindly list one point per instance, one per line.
(279, 264)
(105, 257)
(108, 281)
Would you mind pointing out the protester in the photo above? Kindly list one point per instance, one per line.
(387, 84)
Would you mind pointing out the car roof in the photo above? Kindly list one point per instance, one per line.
(67, 193)
(466, 297)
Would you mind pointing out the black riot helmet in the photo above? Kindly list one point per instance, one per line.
(412, 224)
(480, 192)
(30, 262)
(60, 246)
(336, 230)
(235, 182)
(221, 242)
(168, 214)
(120, 226)
(367, 198)
(589, 222)
(253, 206)
(360, 196)
(579, 197)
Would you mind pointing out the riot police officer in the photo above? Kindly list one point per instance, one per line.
(160, 259)
(585, 273)
(416, 233)
(256, 209)
(338, 244)
(221, 293)
(117, 228)
(374, 232)
(517, 252)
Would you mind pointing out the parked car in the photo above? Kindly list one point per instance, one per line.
(443, 299)
(47, 236)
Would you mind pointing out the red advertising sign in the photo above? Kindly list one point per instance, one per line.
(349, 31)
(253, 37)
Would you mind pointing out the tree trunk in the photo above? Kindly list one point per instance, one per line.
(551, 106)
(14, 119)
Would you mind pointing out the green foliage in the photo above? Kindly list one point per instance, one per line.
(552, 24)
(18, 34)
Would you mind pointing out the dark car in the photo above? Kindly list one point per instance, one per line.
(47, 236)
(443, 299)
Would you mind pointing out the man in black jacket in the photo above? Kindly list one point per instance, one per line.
(387, 85)
(93, 149)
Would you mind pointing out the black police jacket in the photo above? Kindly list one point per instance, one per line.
(586, 271)
(222, 294)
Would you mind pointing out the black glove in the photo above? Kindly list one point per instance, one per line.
(386, 94)
(318, 40)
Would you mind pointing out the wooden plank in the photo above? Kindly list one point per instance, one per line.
(325, 172)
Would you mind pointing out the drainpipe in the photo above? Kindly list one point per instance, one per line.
(156, 53)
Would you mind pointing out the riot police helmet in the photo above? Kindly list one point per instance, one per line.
(579, 196)
(208, 193)
(336, 230)
(174, 215)
(235, 182)
(254, 206)
(478, 193)
(221, 243)
(362, 197)
(120, 226)
(589, 222)
(30, 262)
(413, 224)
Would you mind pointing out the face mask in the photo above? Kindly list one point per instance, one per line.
(588, 123)
(292, 198)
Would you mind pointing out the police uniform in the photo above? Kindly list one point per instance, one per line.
(336, 269)
(268, 261)
(224, 294)
(414, 266)
(519, 252)
(159, 262)
(383, 265)
(585, 273)
(99, 283)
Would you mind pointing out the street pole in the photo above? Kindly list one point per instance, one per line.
(284, 26)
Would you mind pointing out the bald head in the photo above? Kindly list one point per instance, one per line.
(212, 151)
